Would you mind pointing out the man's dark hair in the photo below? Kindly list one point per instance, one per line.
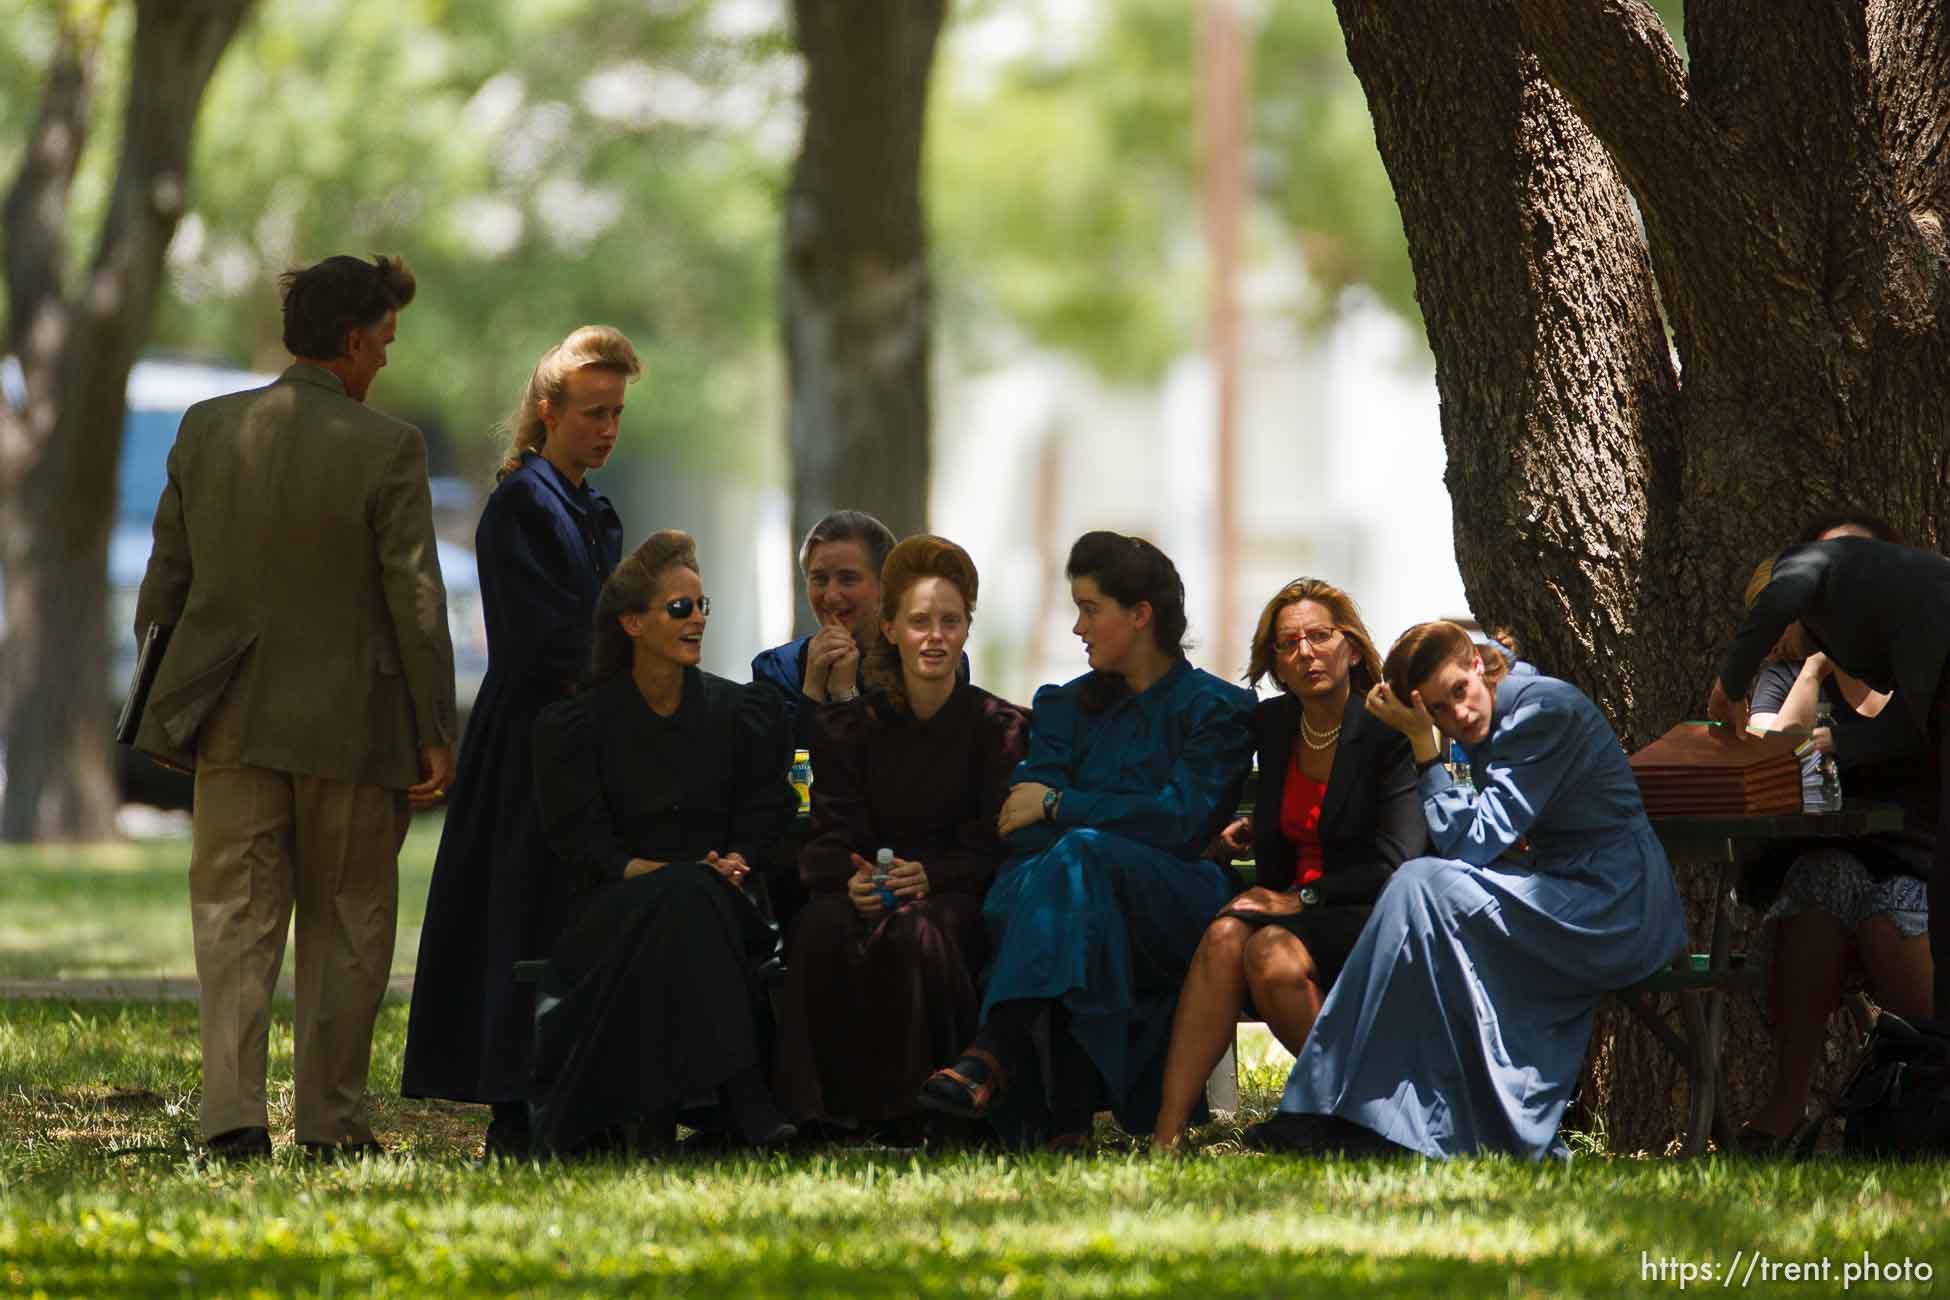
(325, 302)
(1874, 525)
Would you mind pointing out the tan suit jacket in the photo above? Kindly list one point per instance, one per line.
(294, 553)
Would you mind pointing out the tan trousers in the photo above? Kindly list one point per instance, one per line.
(263, 840)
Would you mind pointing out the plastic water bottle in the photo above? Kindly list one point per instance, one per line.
(1458, 764)
(883, 866)
(1831, 771)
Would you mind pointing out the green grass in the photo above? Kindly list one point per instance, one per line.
(123, 910)
(97, 1198)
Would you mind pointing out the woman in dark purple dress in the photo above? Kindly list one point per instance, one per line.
(878, 996)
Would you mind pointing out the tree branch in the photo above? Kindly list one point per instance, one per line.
(1615, 62)
(1909, 66)
(34, 230)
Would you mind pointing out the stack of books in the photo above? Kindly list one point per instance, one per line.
(1691, 772)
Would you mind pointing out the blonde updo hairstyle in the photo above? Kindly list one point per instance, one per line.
(921, 556)
(1362, 674)
(597, 346)
(632, 589)
(1420, 651)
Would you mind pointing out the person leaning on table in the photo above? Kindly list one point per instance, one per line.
(1881, 613)
(310, 683)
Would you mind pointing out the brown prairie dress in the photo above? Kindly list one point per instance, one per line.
(872, 1008)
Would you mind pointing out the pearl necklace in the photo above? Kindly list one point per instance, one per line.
(1317, 739)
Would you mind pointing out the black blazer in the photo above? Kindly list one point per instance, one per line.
(1880, 611)
(1371, 821)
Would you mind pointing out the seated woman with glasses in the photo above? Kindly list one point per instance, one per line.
(1460, 1021)
(1132, 769)
(1335, 812)
(660, 785)
(880, 975)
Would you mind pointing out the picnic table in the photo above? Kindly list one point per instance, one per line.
(1702, 981)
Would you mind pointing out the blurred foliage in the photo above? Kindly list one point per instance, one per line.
(1063, 153)
(543, 163)
(540, 163)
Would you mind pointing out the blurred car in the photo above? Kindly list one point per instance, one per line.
(160, 390)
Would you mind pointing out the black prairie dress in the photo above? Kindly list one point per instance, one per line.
(658, 974)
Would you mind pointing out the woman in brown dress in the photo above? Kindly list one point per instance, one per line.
(877, 996)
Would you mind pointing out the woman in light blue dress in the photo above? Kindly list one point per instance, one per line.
(1132, 769)
(1460, 1021)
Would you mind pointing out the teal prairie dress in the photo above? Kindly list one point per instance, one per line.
(1103, 907)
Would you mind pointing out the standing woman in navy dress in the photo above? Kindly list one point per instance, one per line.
(546, 542)
(1132, 769)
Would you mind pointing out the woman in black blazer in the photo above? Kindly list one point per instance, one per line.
(1335, 810)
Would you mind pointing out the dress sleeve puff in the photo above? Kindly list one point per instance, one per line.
(569, 786)
(839, 797)
(1531, 751)
(537, 557)
(1203, 786)
(764, 802)
(1000, 737)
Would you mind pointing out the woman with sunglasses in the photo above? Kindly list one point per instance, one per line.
(660, 786)
(546, 541)
(1132, 769)
(1461, 1018)
(1335, 812)
(880, 974)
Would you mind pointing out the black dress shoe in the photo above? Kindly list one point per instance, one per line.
(240, 1144)
(326, 1153)
(1321, 1135)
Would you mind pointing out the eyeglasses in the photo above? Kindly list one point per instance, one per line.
(682, 606)
(1320, 638)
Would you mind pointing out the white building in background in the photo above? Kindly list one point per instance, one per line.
(1339, 462)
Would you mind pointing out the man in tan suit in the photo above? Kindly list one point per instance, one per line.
(310, 683)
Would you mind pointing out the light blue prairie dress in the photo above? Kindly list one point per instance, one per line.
(1460, 1021)
(1103, 907)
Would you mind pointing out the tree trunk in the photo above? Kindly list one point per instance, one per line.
(60, 783)
(1674, 312)
(855, 290)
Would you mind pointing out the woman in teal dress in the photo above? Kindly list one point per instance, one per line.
(1132, 769)
(1460, 1021)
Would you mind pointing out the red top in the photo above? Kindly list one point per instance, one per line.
(1300, 822)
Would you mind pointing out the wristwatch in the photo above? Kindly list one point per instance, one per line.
(1051, 798)
(1309, 896)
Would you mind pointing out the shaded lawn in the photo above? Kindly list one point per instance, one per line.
(96, 1198)
(123, 909)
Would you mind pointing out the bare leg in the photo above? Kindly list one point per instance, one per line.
(1900, 971)
(1281, 975)
(1805, 987)
(1207, 1017)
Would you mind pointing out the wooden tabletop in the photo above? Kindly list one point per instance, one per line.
(1857, 817)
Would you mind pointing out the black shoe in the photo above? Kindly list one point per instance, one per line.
(507, 1139)
(240, 1144)
(326, 1153)
(1321, 1135)
(761, 1124)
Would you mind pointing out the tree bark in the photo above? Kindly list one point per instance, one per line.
(1675, 310)
(59, 775)
(855, 295)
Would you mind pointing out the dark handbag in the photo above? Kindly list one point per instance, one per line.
(1897, 1103)
(147, 661)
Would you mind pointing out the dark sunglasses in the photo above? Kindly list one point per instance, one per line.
(681, 607)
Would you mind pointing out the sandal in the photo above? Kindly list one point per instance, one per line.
(952, 1092)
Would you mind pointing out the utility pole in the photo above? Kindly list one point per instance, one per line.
(1224, 80)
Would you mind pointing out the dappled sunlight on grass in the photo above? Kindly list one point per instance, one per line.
(122, 909)
(99, 1194)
